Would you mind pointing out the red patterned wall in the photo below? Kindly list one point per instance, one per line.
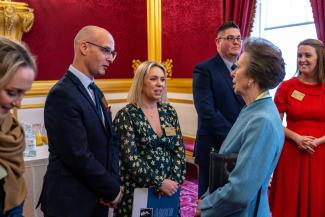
(188, 32)
(57, 22)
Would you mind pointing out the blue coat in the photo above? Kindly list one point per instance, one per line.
(83, 161)
(257, 136)
(216, 104)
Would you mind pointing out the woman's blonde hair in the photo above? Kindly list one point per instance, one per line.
(135, 92)
(13, 56)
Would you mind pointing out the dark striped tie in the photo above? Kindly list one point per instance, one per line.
(96, 92)
(233, 67)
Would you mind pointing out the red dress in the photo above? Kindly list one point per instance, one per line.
(298, 184)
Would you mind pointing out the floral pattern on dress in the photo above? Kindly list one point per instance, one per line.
(145, 158)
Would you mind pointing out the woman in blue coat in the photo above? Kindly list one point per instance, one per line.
(257, 136)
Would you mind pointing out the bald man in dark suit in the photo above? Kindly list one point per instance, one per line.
(82, 178)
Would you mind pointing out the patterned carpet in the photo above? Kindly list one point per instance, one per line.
(188, 198)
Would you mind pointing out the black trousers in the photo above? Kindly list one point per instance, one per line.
(2, 196)
(203, 179)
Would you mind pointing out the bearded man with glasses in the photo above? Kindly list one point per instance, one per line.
(216, 103)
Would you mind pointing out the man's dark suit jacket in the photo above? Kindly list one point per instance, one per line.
(83, 161)
(216, 104)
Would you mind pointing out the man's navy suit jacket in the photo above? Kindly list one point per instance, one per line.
(216, 104)
(83, 161)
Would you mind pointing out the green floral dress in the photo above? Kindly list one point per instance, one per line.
(146, 159)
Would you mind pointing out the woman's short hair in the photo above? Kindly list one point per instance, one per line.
(13, 56)
(134, 96)
(320, 51)
(265, 62)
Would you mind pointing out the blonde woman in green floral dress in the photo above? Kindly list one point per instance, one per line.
(151, 145)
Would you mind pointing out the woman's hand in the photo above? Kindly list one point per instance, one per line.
(306, 143)
(320, 140)
(169, 187)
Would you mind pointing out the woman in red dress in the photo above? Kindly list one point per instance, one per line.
(298, 185)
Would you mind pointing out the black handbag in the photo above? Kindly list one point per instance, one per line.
(220, 167)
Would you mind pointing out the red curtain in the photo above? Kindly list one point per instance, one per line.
(188, 32)
(318, 8)
(242, 12)
(189, 29)
(58, 21)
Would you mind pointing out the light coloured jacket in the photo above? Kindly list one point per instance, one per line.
(257, 136)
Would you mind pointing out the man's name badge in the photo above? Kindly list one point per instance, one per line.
(298, 95)
(170, 131)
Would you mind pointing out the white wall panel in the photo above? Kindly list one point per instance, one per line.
(187, 117)
(32, 109)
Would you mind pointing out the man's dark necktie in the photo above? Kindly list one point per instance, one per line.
(233, 67)
(97, 96)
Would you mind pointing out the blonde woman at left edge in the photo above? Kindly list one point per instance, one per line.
(17, 72)
(151, 144)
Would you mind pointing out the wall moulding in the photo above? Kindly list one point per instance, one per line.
(177, 85)
(109, 101)
(182, 101)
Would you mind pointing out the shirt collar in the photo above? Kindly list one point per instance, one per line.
(85, 80)
(228, 63)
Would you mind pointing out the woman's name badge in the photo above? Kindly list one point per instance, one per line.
(170, 131)
(297, 95)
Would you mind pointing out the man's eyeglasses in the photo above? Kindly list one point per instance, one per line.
(106, 50)
(232, 38)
